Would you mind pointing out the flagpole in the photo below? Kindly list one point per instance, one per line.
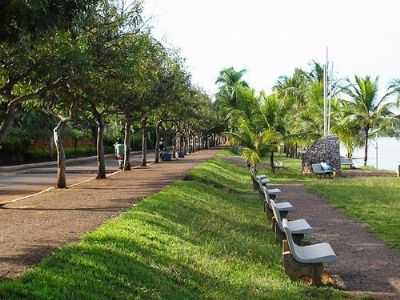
(329, 99)
(325, 92)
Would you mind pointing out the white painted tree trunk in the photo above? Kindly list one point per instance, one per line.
(58, 141)
(101, 163)
(127, 144)
(144, 142)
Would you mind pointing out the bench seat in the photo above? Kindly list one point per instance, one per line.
(318, 170)
(299, 226)
(313, 254)
(264, 181)
(317, 253)
(273, 191)
(285, 206)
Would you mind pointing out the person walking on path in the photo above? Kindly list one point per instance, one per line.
(119, 153)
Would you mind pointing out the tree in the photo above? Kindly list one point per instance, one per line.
(230, 94)
(30, 35)
(255, 145)
(104, 54)
(367, 108)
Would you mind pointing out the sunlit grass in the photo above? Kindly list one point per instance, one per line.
(374, 201)
(371, 200)
(202, 238)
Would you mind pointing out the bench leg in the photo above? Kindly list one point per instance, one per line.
(268, 211)
(255, 184)
(261, 194)
(298, 238)
(279, 235)
(296, 270)
(283, 214)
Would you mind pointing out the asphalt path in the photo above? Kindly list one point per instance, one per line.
(19, 184)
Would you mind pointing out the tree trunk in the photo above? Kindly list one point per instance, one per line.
(127, 144)
(187, 151)
(51, 146)
(366, 146)
(7, 123)
(272, 162)
(157, 146)
(180, 143)
(101, 163)
(174, 145)
(193, 143)
(144, 141)
(94, 131)
(58, 141)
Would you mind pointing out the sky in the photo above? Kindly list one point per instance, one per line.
(269, 38)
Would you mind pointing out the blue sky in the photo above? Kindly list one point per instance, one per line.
(271, 38)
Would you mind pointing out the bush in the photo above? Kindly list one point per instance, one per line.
(14, 147)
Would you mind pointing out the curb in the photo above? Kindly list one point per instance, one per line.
(70, 162)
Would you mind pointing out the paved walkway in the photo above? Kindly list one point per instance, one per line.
(15, 184)
(364, 262)
(32, 228)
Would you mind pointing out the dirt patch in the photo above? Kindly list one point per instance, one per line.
(33, 228)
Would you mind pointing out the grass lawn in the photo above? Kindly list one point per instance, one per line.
(374, 201)
(203, 238)
(371, 200)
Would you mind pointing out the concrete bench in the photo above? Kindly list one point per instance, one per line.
(283, 207)
(319, 171)
(305, 261)
(344, 161)
(166, 156)
(278, 165)
(262, 176)
(263, 188)
(253, 177)
(298, 228)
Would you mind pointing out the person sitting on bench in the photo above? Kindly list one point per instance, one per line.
(326, 167)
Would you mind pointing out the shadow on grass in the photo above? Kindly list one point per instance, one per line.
(193, 240)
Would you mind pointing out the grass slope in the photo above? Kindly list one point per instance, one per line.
(203, 238)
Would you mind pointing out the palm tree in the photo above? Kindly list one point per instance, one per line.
(255, 145)
(347, 130)
(274, 112)
(231, 86)
(370, 111)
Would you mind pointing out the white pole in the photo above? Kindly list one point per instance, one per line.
(376, 151)
(325, 94)
(329, 100)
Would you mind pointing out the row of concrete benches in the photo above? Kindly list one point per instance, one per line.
(300, 259)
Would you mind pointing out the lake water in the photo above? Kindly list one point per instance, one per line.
(388, 154)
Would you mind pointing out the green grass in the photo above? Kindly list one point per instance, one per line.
(291, 172)
(373, 201)
(202, 238)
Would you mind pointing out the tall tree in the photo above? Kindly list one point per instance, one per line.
(366, 107)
